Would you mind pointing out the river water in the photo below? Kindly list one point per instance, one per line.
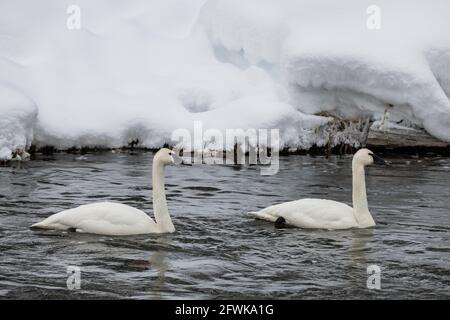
(218, 251)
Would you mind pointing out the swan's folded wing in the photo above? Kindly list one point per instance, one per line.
(101, 218)
(313, 213)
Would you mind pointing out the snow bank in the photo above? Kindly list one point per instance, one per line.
(18, 115)
(327, 58)
(133, 71)
(141, 69)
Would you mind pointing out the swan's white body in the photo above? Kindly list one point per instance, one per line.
(311, 214)
(109, 218)
(328, 214)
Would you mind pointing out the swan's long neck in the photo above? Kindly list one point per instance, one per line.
(162, 217)
(360, 206)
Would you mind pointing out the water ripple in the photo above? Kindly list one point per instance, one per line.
(218, 251)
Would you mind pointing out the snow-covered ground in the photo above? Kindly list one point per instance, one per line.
(141, 69)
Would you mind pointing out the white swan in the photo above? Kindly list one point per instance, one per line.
(328, 214)
(109, 218)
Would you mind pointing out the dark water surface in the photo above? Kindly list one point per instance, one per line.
(218, 251)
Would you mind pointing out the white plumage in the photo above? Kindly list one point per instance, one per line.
(328, 214)
(110, 218)
(311, 214)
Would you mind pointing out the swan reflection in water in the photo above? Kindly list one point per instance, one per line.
(361, 239)
(159, 263)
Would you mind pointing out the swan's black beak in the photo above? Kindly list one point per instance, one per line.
(378, 160)
(179, 161)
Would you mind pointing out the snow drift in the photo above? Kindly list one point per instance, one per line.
(141, 69)
(18, 115)
(329, 60)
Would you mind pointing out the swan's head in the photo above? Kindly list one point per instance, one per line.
(168, 157)
(366, 157)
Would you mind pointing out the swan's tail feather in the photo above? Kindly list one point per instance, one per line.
(49, 223)
(263, 216)
(39, 225)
